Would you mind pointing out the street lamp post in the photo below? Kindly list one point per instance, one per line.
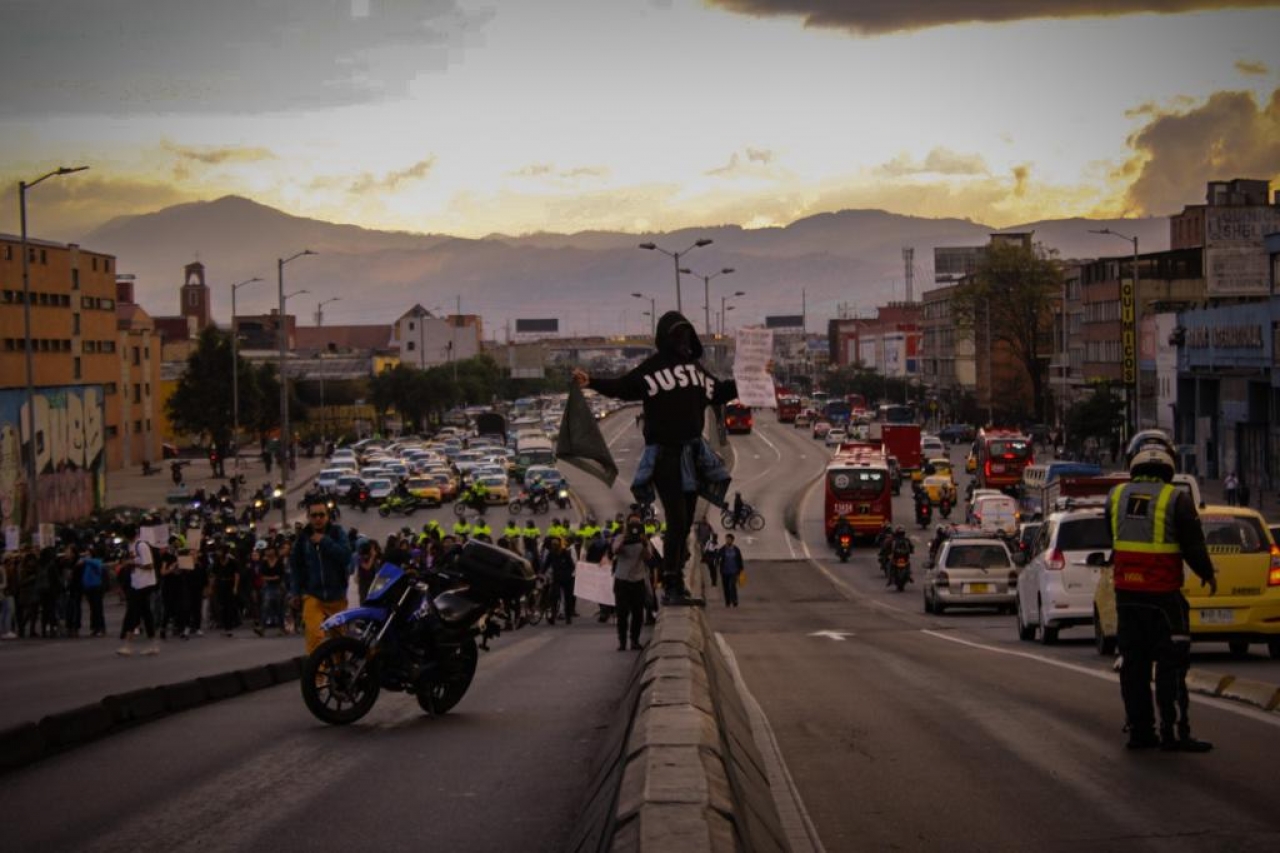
(675, 256)
(1137, 339)
(653, 317)
(33, 501)
(235, 371)
(706, 292)
(723, 309)
(320, 308)
(286, 442)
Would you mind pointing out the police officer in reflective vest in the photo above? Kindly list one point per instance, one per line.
(1154, 528)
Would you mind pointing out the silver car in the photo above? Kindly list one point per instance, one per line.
(971, 572)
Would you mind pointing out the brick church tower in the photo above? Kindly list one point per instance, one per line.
(195, 296)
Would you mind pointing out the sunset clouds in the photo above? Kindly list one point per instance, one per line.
(472, 117)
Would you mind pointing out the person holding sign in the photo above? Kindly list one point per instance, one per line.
(675, 389)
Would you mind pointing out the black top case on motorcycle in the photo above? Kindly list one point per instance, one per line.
(494, 572)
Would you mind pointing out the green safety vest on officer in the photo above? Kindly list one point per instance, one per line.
(461, 529)
(511, 531)
(481, 528)
(1154, 529)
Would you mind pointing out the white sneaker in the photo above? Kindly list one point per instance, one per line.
(153, 649)
(9, 636)
(125, 650)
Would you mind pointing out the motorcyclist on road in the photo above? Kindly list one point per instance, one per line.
(901, 546)
(739, 510)
(843, 528)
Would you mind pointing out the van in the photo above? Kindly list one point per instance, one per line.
(996, 513)
(1037, 477)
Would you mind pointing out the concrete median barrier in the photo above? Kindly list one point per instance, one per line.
(79, 725)
(136, 706)
(687, 775)
(285, 670)
(225, 685)
(255, 678)
(20, 745)
(1257, 693)
(183, 695)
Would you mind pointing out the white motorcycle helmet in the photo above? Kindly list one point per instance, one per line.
(1152, 461)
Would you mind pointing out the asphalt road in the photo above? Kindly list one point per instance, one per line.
(907, 731)
(506, 770)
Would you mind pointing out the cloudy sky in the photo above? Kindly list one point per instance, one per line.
(516, 116)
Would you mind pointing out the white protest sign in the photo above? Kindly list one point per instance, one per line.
(155, 535)
(12, 538)
(594, 582)
(753, 350)
(46, 536)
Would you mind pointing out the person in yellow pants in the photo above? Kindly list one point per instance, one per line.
(318, 570)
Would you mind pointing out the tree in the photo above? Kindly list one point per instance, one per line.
(1019, 286)
(1099, 417)
(201, 403)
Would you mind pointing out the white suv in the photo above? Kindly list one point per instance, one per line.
(1055, 589)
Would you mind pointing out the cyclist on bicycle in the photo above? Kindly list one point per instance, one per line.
(741, 512)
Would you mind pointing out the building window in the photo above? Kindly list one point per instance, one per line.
(107, 346)
(75, 279)
(44, 257)
(75, 367)
(109, 389)
(8, 251)
(95, 264)
(146, 353)
(89, 346)
(112, 431)
(137, 426)
(106, 264)
(107, 304)
(411, 325)
(137, 393)
(137, 356)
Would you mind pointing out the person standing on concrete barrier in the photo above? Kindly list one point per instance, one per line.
(1154, 529)
(631, 552)
(675, 389)
(318, 571)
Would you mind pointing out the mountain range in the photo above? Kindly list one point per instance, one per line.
(847, 261)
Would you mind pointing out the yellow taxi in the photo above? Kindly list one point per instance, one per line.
(498, 492)
(1247, 607)
(971, 463)
(937, 485)
(445, 480)
(425, 489)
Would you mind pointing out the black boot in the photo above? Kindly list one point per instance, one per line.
(1184, 742)
(1142, 738)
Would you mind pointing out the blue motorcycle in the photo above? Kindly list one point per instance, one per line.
(413, 634)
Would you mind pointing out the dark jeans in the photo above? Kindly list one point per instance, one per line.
(75, 603)
(138, 609)
(1154, 628)
(174, 593)
(562, 589)
(628, 597)
(195, 604)
(730, 589)
(678, 506)
(273, 605)
(228, 607)
(97, 619)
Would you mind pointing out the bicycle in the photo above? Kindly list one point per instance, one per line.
(749, 520)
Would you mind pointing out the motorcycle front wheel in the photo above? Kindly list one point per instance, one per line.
(755, 522)
(338, 685)
(726, 520)
(439, 697)
(459, 509)
(385, 512)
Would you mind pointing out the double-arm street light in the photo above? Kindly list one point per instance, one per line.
(654, 247)
(723, 309)
(235, 370)
(706, 292)
(33, 501)
(320, 308)
(1137, 331)
(286, 442)
(653, 318)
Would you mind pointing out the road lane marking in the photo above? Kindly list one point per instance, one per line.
(838, 636)
(1105, 675)
(802, 835)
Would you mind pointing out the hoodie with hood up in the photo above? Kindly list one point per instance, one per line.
(672, 384)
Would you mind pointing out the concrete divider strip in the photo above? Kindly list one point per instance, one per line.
(1264, 696)
(26, 743)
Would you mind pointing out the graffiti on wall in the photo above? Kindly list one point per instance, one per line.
(70, 453)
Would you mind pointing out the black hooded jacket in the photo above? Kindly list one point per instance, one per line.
(673, 385)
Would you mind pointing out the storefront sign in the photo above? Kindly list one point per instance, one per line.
(1225, 337)
(1235, 257)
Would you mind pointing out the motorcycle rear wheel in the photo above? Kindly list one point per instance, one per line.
(459, 509)
(332, 691)
(385, 512)
(439, 697)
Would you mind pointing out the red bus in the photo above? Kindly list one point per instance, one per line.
(737, 417)
(857, 402)
(788, 408)
(1002, 455)
(858, 485)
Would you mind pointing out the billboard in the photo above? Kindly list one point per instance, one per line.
(1235, 255)
(538, 327)
(785, 321)
(70, 447)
